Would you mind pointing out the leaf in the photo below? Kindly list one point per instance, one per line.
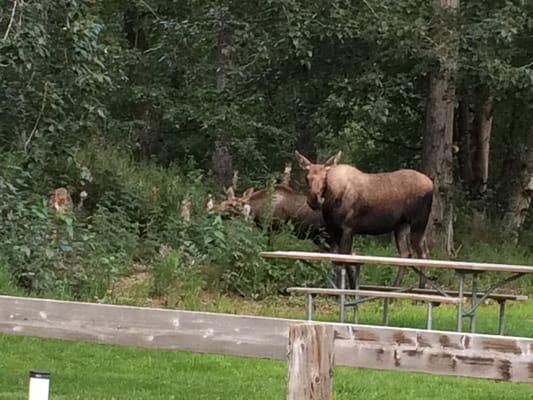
(219, 235)
(26, 250)
(70, 231)
(50, 253)
(66, 247)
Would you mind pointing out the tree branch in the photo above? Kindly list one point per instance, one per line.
(11, 19)
(43, 103)
(371, 9)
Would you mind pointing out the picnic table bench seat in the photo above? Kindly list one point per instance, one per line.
(429, 299)
(499, 297)
(430, 296)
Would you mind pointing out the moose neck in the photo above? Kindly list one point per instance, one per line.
(339, 177)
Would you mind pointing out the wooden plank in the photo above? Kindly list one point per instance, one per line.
(494, 296)
(397, 261)
(373, 293)
(445, 353)
(145, 327)
(450, 353)
(310, 364)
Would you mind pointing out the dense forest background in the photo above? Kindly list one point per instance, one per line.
(140, 107)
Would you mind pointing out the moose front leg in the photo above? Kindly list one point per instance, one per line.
(335, 239)
(346, 248)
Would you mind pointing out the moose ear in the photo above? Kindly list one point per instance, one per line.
(230, 192)
(333, 160)
(302, 161)
(248, 193)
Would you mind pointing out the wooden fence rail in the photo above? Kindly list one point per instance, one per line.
(448, 353)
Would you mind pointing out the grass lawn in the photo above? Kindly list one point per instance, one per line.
(93, 371)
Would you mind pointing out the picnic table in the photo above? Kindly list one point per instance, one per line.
(462, 270)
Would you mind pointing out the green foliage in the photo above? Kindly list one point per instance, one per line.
(178, 279)
(7, 284)
(227, 254)
(49, 251)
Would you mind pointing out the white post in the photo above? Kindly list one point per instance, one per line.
(39, 385)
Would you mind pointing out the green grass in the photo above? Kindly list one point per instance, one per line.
(82, 371)
(518, 318)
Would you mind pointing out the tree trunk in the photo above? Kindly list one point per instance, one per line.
(146, 130)
(509, 165)
(437, 155)
(481, 135)
(521, 194)
(465, 140)
(221, 158)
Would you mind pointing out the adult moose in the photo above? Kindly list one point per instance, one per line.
(354, 202)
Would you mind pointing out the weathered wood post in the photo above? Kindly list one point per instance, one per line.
(310, 364)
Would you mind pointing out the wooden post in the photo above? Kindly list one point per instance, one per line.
(310, 366)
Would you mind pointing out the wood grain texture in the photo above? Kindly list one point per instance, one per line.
(310, 364)
(449, 353)
(374, 293)
(446, 353)
(397, 261)
(145, 327)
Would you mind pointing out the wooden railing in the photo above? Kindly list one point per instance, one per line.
(448, 353)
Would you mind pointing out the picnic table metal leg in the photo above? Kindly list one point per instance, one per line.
(460, 304)
(430, 282)
(309, 308)
(385, 311)
(357, 284)
(429, 320)
(342, 297)
(501, 318)
(473, 301)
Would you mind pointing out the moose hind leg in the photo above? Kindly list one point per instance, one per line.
(401, 236)
(419, 244)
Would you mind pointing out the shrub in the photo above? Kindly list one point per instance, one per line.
(178, 278)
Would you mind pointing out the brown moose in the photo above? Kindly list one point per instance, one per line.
(279, 205)
(354, 202)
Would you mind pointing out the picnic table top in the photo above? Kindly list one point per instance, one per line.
(398, 261)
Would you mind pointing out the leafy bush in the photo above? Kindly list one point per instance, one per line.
(177, 277)
(56, 252)
(7, 284)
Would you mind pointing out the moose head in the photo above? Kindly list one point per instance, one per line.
(316, 176)
(233, 203)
